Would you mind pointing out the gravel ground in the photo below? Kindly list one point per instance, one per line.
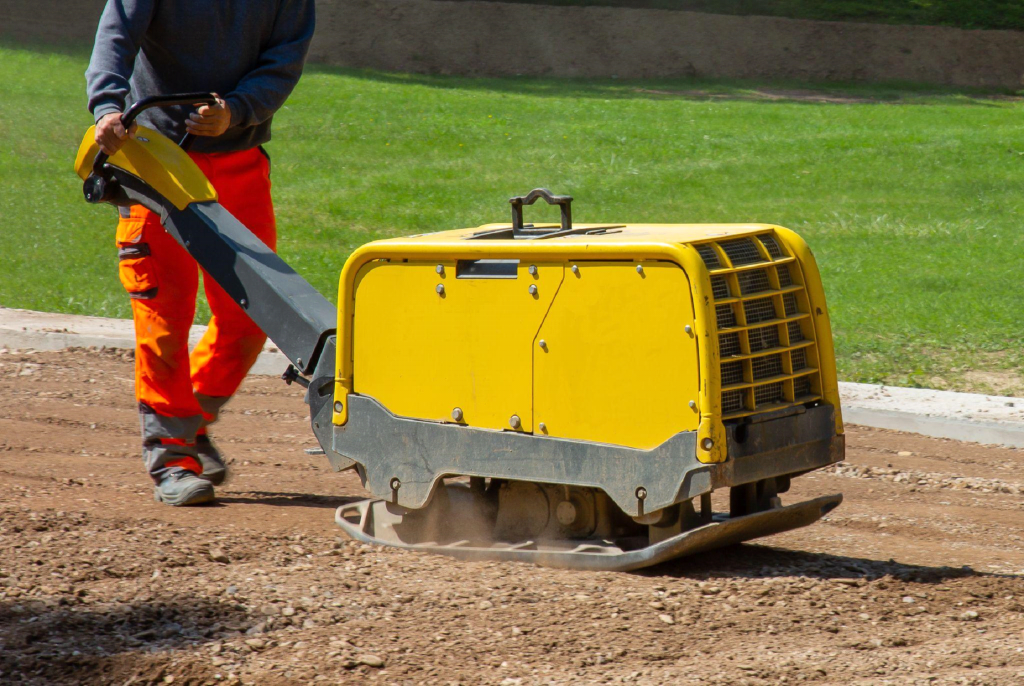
(918, 578)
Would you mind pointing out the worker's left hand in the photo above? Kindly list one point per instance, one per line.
(210, 120)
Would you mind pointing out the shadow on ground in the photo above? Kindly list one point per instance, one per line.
(759, 561)
(45, 641)
(285, 499)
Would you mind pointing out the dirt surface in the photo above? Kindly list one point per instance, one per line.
(918, 578)
(508, 39)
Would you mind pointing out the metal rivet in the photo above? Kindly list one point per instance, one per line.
(298, 361)
(693, 405)
(532, 270)
(514, 421)
(688, 329)
(457, 414)
(641, 493)
(440, 289)
(575, 269)
(706, 443)
(543, 344)
(395, 483)
(639, 269)
(243, 302)
(543, 427)
(188, 244)
(533, 290)
(439, 269)
(338, 407)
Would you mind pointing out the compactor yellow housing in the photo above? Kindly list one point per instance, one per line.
(566, 395)
(617, 334)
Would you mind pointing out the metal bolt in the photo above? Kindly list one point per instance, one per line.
(543, 427)
(440, 289)
(514, 421)
(243, 302)
(532, 270)
(706, 443)
(338, 407)
(641, 493)
(533, 290)
(640, 269)
(439, 269)
(298, 361)
(188, 244)
(457, 414)
(395, 483)
(688, 329)
(543, 344)
(575, 269)
(693, 405)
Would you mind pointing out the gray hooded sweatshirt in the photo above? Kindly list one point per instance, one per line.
(250, 52)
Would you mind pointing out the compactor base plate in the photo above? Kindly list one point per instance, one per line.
(376, 521)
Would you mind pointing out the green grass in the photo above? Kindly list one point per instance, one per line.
(912, 203)
(967, 14)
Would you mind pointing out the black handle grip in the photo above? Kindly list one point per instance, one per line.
(128, 118)
(563, 201)
(100, 186)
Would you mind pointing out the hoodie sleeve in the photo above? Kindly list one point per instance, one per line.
(118, 38)
(263, 91)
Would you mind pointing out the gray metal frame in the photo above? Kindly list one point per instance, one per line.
(418, 454)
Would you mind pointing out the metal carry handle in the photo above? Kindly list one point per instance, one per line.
(563, 201)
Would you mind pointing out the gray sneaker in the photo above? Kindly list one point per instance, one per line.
(183, 487)
(214, 468)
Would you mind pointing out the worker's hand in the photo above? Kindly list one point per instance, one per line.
(110, 133)
(210, 120)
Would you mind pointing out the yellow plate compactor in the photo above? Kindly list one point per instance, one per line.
(568, 394)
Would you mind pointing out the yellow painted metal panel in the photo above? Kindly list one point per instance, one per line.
(422, 353)
(445, 247)
(617, 364)
(158, 161)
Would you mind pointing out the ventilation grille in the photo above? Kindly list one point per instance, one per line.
(766, 367)
(720, 287)
(769, 394)
(789, 300)
(728, 344)
(725, 315)
(732, 372)
(763, 339)
(754, 281)
(709, 256)
(742, 251)
(732, 401)
(764, 352)
(759, 310)
(771, 245)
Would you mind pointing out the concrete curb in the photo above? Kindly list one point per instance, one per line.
(942, 414)
(29, 330)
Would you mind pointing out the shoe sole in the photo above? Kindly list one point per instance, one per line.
(195, 497)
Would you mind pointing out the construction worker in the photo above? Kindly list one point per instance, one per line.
(251, 54)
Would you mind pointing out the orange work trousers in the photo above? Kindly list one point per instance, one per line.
(162, 280)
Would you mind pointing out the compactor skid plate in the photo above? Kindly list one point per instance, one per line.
(378, 522)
